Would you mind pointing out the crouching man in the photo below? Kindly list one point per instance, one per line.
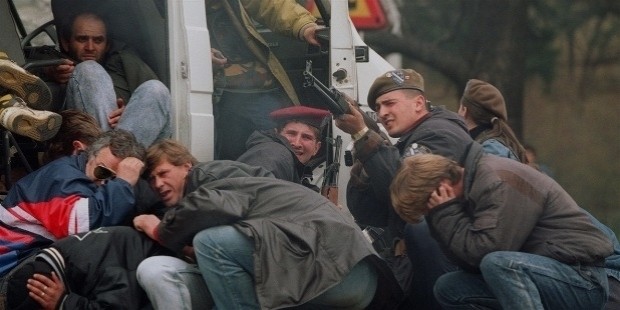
(259, 242)
(522, 240)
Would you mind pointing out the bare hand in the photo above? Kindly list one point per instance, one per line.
(310, 35)
(62, 72)
(46, 291)
(115, 115)
(129, 169)
(188, 254)
(445, 192)
(353, 121)
(146, 223)
(218, 59)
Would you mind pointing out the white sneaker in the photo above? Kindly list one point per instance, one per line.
(21, 83)
(20, 119)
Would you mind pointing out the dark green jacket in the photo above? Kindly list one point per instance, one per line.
(126, 69)
(285, 17)
(304, 244)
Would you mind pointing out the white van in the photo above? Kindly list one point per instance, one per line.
(172, 37)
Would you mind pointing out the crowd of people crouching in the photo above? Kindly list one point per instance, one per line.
(106, 223)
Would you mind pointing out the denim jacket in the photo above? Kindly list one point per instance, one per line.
(494, 146)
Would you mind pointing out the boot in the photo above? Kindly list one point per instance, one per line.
(23, 84)
(22, 120)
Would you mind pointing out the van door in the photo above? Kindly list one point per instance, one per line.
(345, 63)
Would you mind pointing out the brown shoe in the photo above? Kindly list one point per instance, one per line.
(24, 84)
(20, 119)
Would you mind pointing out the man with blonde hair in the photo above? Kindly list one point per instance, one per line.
(415, 189)
(244, 226)
(521, 240)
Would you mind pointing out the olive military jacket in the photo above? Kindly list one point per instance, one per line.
(282, 16)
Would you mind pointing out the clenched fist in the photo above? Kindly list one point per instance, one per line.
(129, 169)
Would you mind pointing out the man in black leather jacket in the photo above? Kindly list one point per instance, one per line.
(92, 270)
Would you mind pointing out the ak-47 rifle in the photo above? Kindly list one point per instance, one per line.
(329, 188)
(336, 102)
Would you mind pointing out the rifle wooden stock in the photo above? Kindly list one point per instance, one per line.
(331, 193)
(329, 189)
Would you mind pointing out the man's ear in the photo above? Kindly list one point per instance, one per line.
(188, 165)
(78, 146)
(318, 147)
(462, 110)
(420, 103)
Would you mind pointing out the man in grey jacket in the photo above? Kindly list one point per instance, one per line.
(286, 150)
(271, 243)
(522, 241)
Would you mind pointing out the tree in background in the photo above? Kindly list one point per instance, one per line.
(503, 41)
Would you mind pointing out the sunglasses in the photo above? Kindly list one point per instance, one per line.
(103, 173)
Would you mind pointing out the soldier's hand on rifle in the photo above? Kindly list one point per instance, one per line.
(352, 122)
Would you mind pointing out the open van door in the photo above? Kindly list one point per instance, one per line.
(344, 61)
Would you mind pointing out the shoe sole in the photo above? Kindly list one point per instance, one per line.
(27, 86)
(40, 127)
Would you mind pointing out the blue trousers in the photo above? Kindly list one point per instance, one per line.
(225, 259)
(146, 115)
(428, 264)
(517, 280)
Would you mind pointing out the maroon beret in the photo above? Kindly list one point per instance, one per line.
(307, 115)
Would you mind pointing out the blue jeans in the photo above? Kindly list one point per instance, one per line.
(428, 264)
(517, 280)
(225, 258)
(171, 283)
(238, 115)
(146, 115)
